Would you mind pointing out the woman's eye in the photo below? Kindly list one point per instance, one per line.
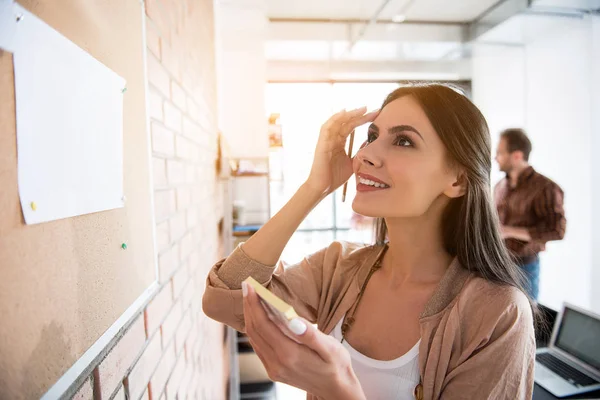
(371, 137)
(403, 141)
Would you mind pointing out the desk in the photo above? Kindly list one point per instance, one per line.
(539, 393)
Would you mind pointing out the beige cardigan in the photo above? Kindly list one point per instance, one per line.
(477, 338)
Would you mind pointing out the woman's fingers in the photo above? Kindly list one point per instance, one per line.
(354, 123)
(265, 331)
(333, 120)
(340, 125)
(325, 346)
(265, 357)
(368, 117)
(336, 121)
(253, 327)
(276, 350)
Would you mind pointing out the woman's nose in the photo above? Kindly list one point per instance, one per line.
(367, 161)
(367, 157)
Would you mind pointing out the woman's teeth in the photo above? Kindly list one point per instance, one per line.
(372, 183)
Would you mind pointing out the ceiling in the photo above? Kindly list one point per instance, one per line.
(428, 10)
(323, 38)
(330, 38)
(569, 4)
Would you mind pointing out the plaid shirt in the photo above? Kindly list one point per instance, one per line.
(536, 203)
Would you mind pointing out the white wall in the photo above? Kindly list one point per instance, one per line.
(545, 86)
(499, 89)
(558, 68)
(595, 88)
(241, 29)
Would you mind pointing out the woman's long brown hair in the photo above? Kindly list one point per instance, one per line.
(470, 223)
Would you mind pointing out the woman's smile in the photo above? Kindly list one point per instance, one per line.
(369, 183)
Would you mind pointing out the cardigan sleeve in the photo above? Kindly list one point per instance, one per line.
(299, 285)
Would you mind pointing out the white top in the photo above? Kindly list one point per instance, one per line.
(384, 380)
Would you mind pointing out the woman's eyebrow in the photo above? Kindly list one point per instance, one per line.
(403, 128)
(397, 129)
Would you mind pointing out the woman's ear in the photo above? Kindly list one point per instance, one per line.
(458, 188)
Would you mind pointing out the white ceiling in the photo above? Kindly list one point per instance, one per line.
(566, 4)
(429, 10)
(364, 50)
(323, 39)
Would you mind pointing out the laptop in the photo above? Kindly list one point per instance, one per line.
(571, 363)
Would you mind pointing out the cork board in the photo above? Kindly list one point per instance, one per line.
(64, 283)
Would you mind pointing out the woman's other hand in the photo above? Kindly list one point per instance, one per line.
(314, 362)
(331, 165)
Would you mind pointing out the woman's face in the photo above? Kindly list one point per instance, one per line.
(406, 159)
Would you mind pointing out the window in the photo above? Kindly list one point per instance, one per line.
(303, 108)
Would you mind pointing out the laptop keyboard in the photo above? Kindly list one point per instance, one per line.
(564, 370)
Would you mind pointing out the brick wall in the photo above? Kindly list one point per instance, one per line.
(172, 350)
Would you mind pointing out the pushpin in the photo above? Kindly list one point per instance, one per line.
(124, 246)
(124, 90)
(19, 17)
(33, 206)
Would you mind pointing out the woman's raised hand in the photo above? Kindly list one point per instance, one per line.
(331, 165)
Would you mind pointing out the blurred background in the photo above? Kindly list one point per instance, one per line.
(526, 64)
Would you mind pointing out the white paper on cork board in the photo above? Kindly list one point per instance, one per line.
(69, 118)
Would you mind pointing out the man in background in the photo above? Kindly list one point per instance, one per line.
(530, 206)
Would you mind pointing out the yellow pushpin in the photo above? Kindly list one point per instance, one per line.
(33, 206)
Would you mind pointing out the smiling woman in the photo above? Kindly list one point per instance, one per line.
(369, 182)
(434, 309)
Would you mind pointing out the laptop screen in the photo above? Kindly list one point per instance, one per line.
(579, 335)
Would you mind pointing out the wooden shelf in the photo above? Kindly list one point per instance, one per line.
(246, 174)
(256, 204)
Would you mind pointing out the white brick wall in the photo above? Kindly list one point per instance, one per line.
(173, 350)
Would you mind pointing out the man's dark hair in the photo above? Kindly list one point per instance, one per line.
(517, 140)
